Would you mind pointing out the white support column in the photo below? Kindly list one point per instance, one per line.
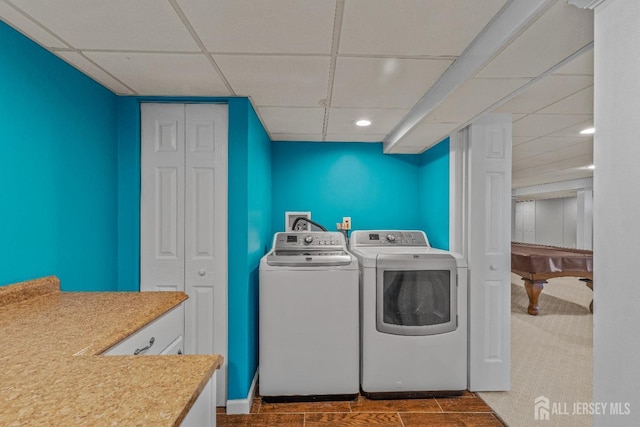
(616, 377)
(584, 220)
(459, 192)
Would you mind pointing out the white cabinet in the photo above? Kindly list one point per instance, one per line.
(203, 411)
(176, 347)
(164, 335)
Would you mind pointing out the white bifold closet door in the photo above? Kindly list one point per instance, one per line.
(183, 218)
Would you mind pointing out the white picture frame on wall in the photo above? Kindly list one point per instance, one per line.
(290, 217)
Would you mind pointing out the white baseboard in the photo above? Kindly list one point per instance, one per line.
(243, 406)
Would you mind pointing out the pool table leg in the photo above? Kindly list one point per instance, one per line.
(534, 288)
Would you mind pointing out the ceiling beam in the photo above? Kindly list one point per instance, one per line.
(513, 18)
(585, 4)
(554, 187)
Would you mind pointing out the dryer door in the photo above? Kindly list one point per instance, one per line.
(416, 294)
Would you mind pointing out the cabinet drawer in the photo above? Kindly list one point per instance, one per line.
(164, 331)
(176, 347)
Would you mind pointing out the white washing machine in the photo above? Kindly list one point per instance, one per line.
(413, 315)
(309, 300)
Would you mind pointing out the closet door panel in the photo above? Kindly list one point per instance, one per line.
(206, 233)
(162, 198)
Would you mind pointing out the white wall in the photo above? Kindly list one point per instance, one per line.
(616, 337)
(549, 221)
(556, 222)
(584, 239)
(570, 228)
(525, 222)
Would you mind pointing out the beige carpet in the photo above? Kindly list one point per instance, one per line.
(551, 355)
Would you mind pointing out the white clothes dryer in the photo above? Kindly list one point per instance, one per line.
(413, 315)
(309, 340)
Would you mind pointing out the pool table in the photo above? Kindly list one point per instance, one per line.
(538, 263)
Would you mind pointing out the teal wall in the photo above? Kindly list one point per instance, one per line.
(58, 163)
(249, 235)
(333, 180)
(434, 194)
(128, 134)
(70, 164)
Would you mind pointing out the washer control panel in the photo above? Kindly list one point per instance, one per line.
(388, 238)
(309, 240)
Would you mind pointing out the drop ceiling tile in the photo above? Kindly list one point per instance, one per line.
(354, 138)
(280, 81)
(427, 134)
(545, 124)
(293, 120)
(578, 103)
(553, 166)
(517, 140)
(561, 31)
(296, 137)
(574, 130)
(274, 26)
(546, 144)
(29, 28)
(581, 66)
(342, 120)
(545, 92)
(556, 176)
(96, 73)
(113, 24)
(556, 156)
(383, 82)
(163, 74)
(472, 98)
(400, 27)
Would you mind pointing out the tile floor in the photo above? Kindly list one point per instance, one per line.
(468, 410)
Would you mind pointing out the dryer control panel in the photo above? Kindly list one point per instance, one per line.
(388, 238)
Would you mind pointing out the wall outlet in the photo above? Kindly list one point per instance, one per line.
(346, 223)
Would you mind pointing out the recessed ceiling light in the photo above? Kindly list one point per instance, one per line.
(363, 122)
(587, 131)
(592, 167)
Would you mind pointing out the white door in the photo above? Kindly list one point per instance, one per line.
(184, 218)
(490, 253)
(481, 230)
(162, 198)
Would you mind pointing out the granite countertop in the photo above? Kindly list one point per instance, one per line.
(52, 372)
